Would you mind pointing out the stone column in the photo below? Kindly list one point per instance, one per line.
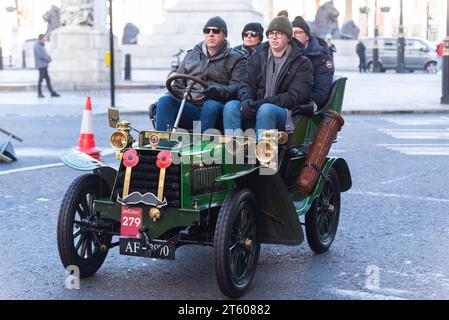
(79, 47)
(348, 11)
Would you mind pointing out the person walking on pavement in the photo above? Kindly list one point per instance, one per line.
(42, 59)
(361, 52)
(331, 46)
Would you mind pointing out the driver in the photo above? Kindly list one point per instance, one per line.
(219, 66)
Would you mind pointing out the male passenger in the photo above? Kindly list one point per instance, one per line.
(277, 78)
(219, 66)
(317, 51)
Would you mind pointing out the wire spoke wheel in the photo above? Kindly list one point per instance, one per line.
(237, 243)
(78, 244)
(322, 219)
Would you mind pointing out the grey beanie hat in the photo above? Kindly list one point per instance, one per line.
(281, 24)
(217, 22)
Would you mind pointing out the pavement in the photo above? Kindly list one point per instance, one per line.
(384, 93)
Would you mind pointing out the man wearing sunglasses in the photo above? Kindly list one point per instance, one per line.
(317, 51)
(219, 66)
(252, 36)
(278, 77)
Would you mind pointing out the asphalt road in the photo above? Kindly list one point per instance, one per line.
(391, 244)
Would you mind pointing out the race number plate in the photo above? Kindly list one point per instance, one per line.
(131, 222)
(147, 249)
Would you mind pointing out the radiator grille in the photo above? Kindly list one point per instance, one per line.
(145, 178)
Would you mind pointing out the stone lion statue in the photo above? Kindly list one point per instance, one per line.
(77, 12)
(326, 21)
(350, 31)
(53, 19)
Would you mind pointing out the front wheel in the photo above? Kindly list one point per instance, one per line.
(237, 243)
(431, 67)
(322, 219)
(77, 244)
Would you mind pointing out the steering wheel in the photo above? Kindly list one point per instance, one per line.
(189, 88)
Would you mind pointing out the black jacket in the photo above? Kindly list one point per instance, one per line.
(318, 52)
(221, 71)
(295, 83)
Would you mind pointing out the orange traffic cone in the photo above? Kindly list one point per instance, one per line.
(86, 142)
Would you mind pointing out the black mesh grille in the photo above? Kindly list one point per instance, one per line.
(145, 178)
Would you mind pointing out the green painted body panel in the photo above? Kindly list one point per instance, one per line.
(172, 218)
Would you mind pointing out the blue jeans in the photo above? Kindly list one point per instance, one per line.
(269, 117)
(168, 108)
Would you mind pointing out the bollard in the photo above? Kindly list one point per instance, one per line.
(1, 58)
(24, 60)
(128, 67)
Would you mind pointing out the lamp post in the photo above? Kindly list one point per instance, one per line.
(111, 50)
(401, 42)
(445, 97)
(376, 64)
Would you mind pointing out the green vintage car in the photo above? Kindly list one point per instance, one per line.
(177, 188)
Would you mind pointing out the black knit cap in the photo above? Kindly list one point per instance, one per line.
(299, 22)
(254, 26)
(217, 22)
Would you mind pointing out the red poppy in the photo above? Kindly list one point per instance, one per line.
(164, 160)
(130, 158)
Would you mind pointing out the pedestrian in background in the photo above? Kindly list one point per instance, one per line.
(331, 46)
(361, 52)
(440, 52)
(42, 59)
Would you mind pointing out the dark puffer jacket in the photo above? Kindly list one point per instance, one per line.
(318, 52)
(222, 71)
(295, 83)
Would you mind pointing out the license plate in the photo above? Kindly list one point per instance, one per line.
(131, 222)
(147, 249)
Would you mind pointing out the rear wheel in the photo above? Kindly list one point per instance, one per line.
(237, 243)
(322, 219)
(431, 68)
(77, 245)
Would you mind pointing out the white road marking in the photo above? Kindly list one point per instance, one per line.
(419, 121)
(399, 196)
(419, 149)
(362, 295)
(47, 166)
(401, 178)
(418, 134)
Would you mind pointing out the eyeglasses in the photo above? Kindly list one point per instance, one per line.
(250, 34)
(275, 34)
(214, 31)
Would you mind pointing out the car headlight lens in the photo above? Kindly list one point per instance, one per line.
(119, 141)
(265, 152)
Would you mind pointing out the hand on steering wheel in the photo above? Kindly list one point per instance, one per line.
(189, 88)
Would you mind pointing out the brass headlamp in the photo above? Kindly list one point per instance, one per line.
(122, 137)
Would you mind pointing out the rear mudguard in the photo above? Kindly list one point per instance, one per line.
(82, 162)
(303, 205)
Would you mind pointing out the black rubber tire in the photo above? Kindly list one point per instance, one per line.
(320, 241)
(431, 68)
(79, 189)
(232, 209)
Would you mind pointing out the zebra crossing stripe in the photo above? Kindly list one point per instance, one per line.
(418, 149)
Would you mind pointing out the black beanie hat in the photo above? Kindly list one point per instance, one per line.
(281, 24)
(217, 22)
(299, 22)
(254, 26)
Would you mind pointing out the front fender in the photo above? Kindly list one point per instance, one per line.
(82, 162)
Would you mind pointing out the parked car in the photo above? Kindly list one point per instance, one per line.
(420, 54)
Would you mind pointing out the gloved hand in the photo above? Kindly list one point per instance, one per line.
(249, 108)
(211, 93)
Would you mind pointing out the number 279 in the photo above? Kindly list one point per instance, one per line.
(131, 221)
